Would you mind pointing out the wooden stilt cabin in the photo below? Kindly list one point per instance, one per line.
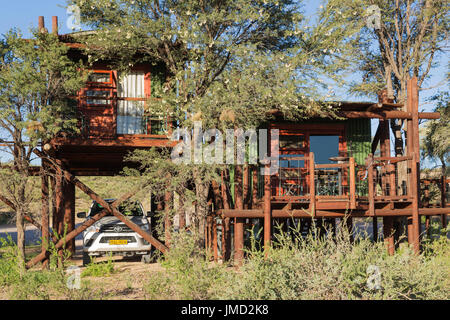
(328, 169)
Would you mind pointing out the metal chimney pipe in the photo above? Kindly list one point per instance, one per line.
(55, 25)
(41, 24)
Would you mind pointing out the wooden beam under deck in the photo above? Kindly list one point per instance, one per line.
(304, 213)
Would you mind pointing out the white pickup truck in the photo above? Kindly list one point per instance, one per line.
(109, 235)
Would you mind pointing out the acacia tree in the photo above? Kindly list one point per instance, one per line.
(228, 63)
(36, 79)
(436, 142)
(389, 43)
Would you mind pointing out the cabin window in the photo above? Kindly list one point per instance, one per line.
(101, 77)
(97, 97)
(324, 148)
(130, 107)
(292, 161)
(292, 141)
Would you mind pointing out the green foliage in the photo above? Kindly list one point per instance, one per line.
(188, 273)
(436, 142)
(411, 36)
(8, 262)
(99, 269)
(36, 284)
(311, 268)
(36, 79)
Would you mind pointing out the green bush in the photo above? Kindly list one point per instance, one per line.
(188, 273)
(312, 268)
(37, 284)
(99, 269)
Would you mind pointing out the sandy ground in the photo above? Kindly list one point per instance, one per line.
(127, 282)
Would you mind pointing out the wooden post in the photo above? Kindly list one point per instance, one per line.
(371, 195)
(208, 233)
(53, 203)
(443, 200)
(59, 212)
(69, 213)
(312, 186)
(167, 219)
(414, 150)
(349, 226)
(352, 184)
(388, 235)
(415, 206)
(59, 204)
(226, 229)
(254, 187)
(246, 193)
(181, 214)
(44, 212)
(239, 222)
(267, 210)
(214, 240)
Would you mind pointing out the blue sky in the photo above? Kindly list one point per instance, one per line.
(23, 14)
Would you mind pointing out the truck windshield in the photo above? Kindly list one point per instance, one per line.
(126, 208)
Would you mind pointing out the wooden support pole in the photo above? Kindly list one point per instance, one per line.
(59, 205)
(352, 184)
(349, 225)
(371, 195)
(443, 200)
(69, 214)
(427, 225)
(181, 214)
(388, 229)
(246, 191)
(226, 228)
(414, 151)
(312, 185)
(226, 242)
(208, 233)
(214, 240)
(168, 198)
(239, 222)
(371, 189)
(44, 213)
(385, 151)
(267, 210)
(415, 206)
(53, 203)
(254, 187)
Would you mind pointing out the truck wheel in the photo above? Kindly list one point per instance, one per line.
(146, 258)
(86, 259)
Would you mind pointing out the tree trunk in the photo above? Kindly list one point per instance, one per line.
(20, 225)
(201, 191)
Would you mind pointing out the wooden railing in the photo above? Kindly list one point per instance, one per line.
(316, 181)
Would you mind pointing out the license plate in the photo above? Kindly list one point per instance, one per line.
(118, 242)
